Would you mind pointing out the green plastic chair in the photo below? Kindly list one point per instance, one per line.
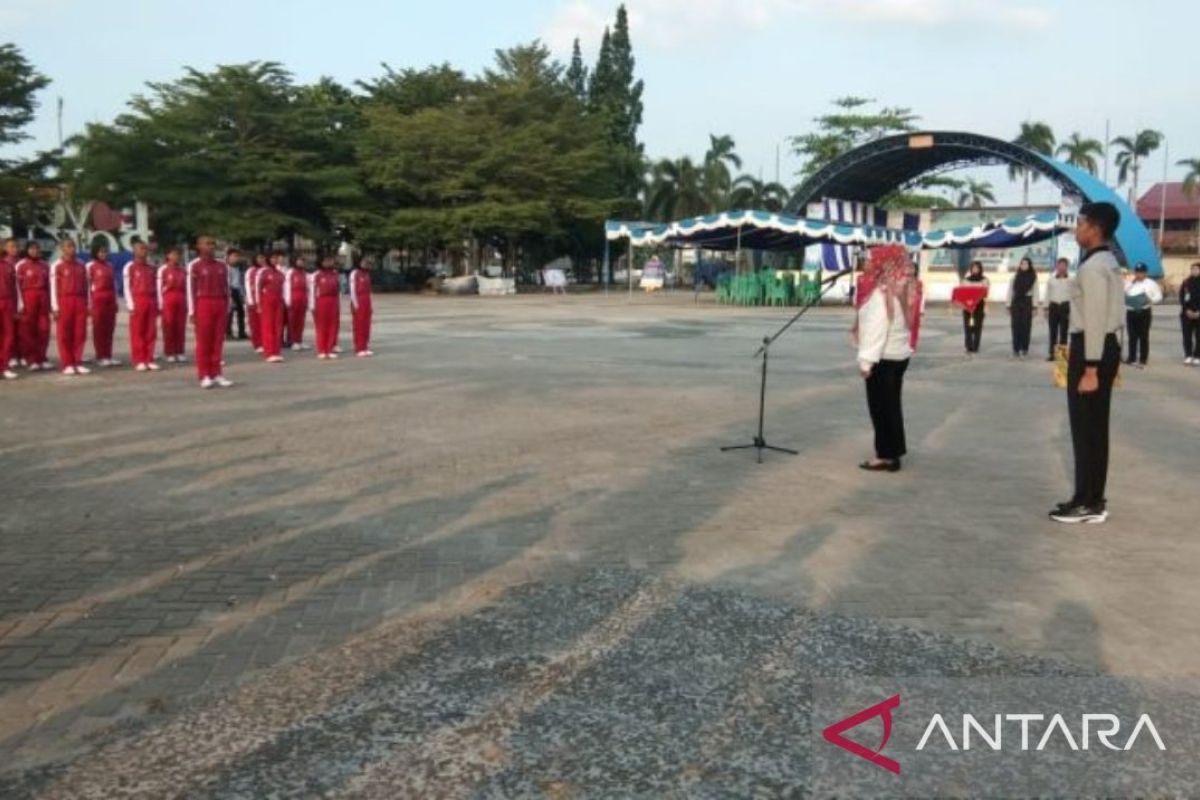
(724, 289)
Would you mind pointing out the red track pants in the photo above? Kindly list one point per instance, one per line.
(174, 323)
(326, 317)
(143, 329)
(270, 311)
(104, 324)
(295, 321)
(71, 330)
(254, 320)
(362, 327)
(212, 316)
(8, 332)
(35, 326)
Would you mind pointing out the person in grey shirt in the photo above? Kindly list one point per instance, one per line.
(1097, 315)
(237, 293)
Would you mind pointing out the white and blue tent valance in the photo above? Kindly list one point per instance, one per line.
(765, 230)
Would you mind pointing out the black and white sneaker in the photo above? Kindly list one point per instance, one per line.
(1080, 514)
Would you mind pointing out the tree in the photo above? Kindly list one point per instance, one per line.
(19, 85)
(410, 90)
(1035, 136)
(1081, 152)
(752, 193)
(677, 189)
(1191, 186)
(615, 96)
(577, 74)
(850, 126)
(238, 151)
(719, 163)
(1131, 151)
(974, 194)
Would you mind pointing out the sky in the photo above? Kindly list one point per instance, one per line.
(759, 70)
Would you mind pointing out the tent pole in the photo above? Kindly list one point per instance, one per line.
(606, 277)
(629, 269)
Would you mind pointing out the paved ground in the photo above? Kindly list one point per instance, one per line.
(505, 558)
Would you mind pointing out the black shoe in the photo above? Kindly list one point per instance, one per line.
(1080, 515)
(882, 466)
(1067, 506)
(1050, 357)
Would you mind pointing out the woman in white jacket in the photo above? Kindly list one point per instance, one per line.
(888, 303)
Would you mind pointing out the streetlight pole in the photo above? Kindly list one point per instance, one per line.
(1162, 207)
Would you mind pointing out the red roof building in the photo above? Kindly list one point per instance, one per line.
(1180, 207)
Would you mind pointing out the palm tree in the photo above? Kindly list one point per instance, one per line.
(719, 163)
(677, 189)
(1035, 136)
(974, 194)
(1191, 186)
(750, 192)
(1081, 152)
(1129, 157)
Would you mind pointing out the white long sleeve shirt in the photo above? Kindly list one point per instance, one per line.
(881, 339)
(1056, 290)
(1145, 287)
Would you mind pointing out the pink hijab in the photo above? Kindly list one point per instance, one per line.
(889, 268)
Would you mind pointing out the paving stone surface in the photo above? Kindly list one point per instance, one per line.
(506, 557)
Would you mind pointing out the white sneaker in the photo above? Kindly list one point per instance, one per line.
(275, 360)
(13, 362)
(368, 353)
(207, 383)
(223, 382)
(180, 359)
(112, 362)
(82, 370)
(9, 375)
(102, 362)
(296, 348)
(141, 368)
(361, 354)
(258, 350)
(70, 371)
(333, 354)
(35, 367)
(322, 356)
(152, 366)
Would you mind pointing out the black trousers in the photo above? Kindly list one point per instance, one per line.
(1022, 323)
(1138, 325)
(973, 334)
(1191, 336)
(1059, 316)
(884, 389)
(1090, 415)
(237, 308)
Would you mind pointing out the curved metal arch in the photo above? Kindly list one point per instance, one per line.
(869, 173)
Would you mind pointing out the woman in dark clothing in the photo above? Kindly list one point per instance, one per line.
(973, 320)
(1189, 316)
(1022, 292)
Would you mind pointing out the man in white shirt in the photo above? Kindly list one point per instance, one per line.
(1056, 297)
(1141, 294)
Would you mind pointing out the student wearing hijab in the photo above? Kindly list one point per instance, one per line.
(973, 320)
(1022, 296)
(887, 300)
(1189, 316)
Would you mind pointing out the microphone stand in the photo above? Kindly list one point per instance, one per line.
(759, 442)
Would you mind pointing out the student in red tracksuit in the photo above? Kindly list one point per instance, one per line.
(268, 291)
(141, 298)
(325, 300)
(33, 280)
(172, 305)
(208, 308)
(69, 306)
(295, 296)
(10, 311)
(102, 288)
(253, 317)
(360, 310)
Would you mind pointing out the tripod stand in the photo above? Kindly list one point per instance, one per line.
(759, 442)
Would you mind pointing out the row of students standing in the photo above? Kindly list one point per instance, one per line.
(68, 293)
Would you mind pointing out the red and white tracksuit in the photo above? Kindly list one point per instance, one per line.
(141, 298)
(173, 305)
(325, 300)
(10, 306)
(103, 291)
(295, 296)
(253, 318)
(268, 288)
(360, 309)
(69, 301)
(208, 304)
(33, 281)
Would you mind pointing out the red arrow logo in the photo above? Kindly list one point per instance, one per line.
(833, 734)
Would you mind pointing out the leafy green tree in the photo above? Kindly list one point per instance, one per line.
(1131, 151)
(852, 124)
(974, 194)
(19, 86)
(678, 188)
(615, 95)
(577, 74)
(1082, 152)
(719, 163)
(1035, 136)
(753, 193)
(411, 90)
